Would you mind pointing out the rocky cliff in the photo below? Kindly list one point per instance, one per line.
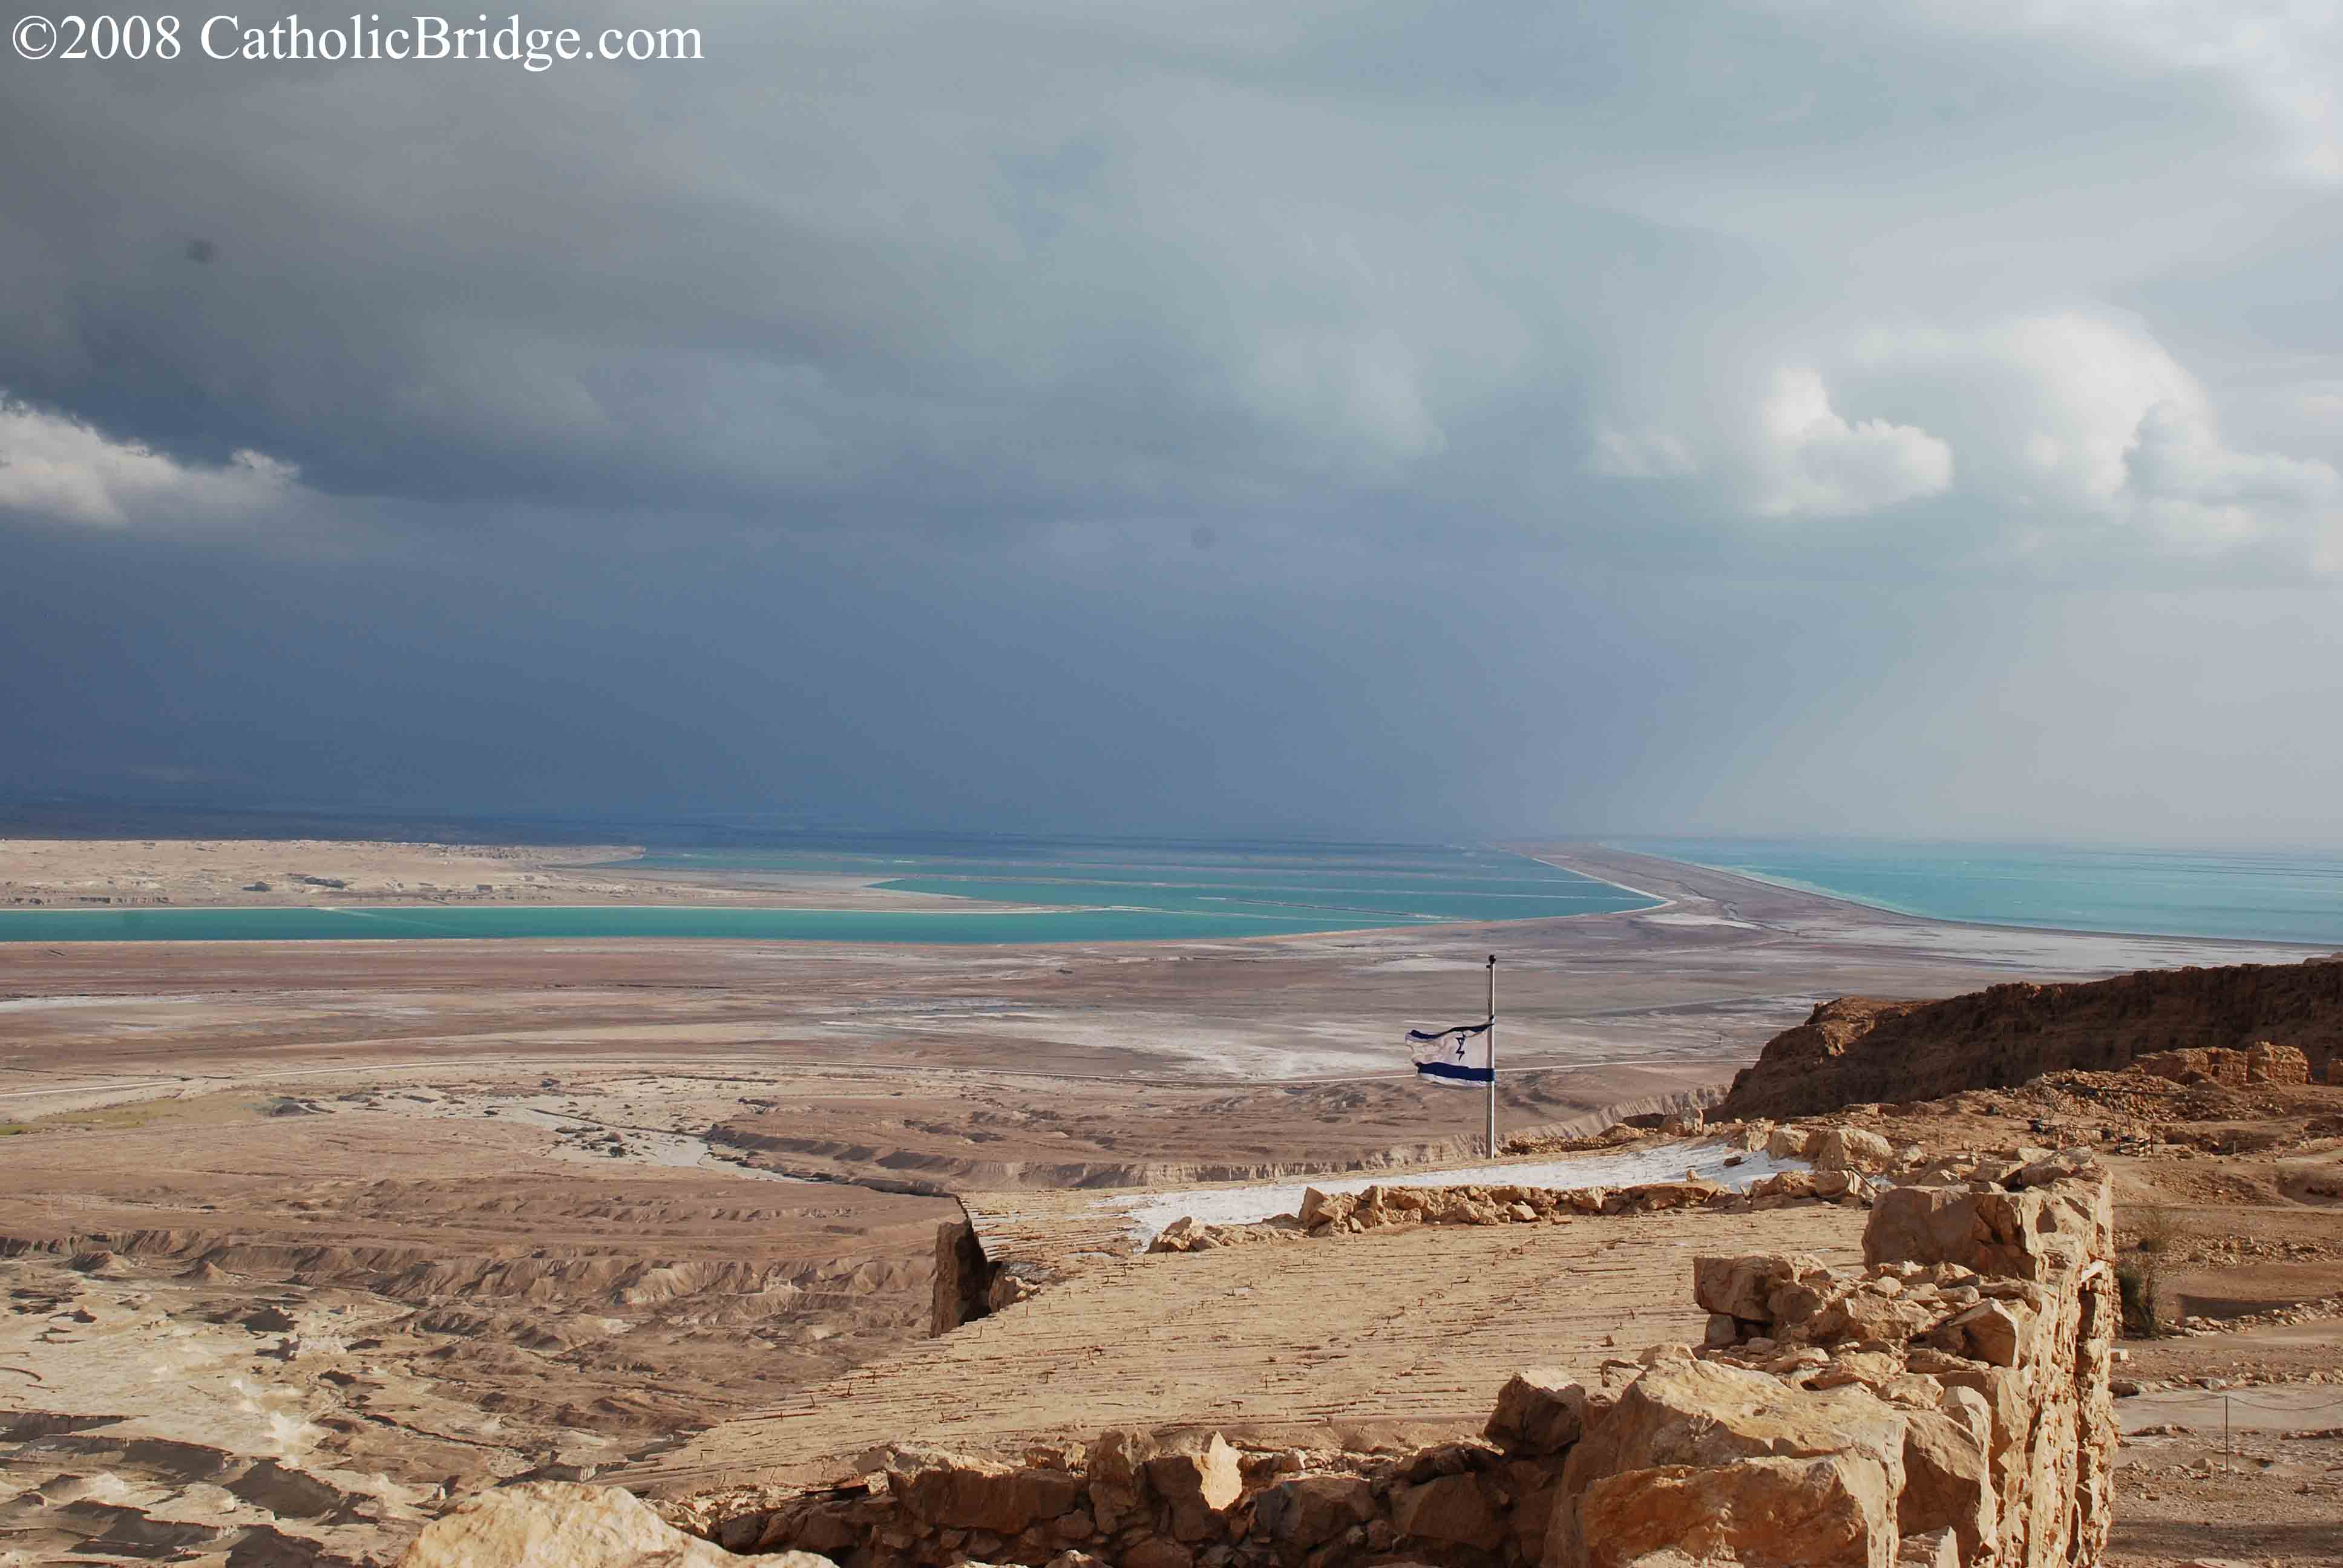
(1862, 1048)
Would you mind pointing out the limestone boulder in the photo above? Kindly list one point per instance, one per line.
(1323, 1209)
(1995, 1333)
(1792, 1142)
(1870, 1314)
(1744, 1287)
(1782, 1187)
(972, 1495)
(1706, 1415)
(1841, 1184)
(1117, 1485)
(1539, 1410)
(1197, 1485)
(1452, 1510)
(1999, 1397)
(1835, 1512)
(1948, 1482)
(541, 1522)
(1852, 1148)
(1309, 1511)
(1858, 1369)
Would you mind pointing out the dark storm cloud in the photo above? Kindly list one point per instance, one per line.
(963, 263)
(1163, 415)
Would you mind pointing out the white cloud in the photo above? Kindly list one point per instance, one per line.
(2203, 497)
(2085, 425)
(2043, 408)
(2064, 436)
(61, 469)
(1812, 462)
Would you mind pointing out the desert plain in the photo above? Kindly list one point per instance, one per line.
(301, 1239)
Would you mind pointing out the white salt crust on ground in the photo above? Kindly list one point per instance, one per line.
(1244, 1206)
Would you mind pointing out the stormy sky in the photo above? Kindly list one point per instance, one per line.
(1372, 419)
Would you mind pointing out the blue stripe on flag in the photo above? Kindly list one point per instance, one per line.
(1429, 1035)
(1450, 1070)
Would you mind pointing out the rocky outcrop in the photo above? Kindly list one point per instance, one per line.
(964, 1278)
(1859, 1050)
(1947, 1404)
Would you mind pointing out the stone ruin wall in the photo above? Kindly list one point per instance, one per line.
(969, 1284)
(2257, 1065)
(1947, 1406)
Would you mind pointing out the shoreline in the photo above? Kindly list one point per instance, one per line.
(1878, 906)
(1856, 906)
(175, 883)
(1679, 892)
(1867, 906)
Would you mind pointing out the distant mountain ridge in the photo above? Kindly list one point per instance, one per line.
(1857, 1049)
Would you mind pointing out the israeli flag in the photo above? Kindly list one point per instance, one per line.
(1457, 1057)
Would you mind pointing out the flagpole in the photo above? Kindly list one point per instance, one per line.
(1492, 1056)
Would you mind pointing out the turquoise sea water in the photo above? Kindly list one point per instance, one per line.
(1094, 892)
(2266, 896)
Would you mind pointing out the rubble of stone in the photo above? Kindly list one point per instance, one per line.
(1948, 1405)
(1851, 1168)
(1380, 1208)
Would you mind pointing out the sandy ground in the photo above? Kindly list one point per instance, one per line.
(391, 1216)
(2249, 1470)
